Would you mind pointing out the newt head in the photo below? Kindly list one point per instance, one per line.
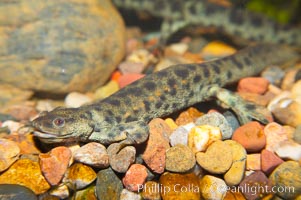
(61, 125)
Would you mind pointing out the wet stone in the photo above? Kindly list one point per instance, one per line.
(93, 154)
(108, 185)
(120, 160)
(86, 194)
(150, 190)
(251, 137)
(55, 163)
(27, 173)
(176, 163)
(217, 120)
(290, 114)
(16, 192)
(179, 136)
(106, 90)
(256, 180)
(171, 123)
(9, 153)
(128, 195)
(25, 142)
(127, 79)
(188, 116)
(79, 175)
(212, 187)
(269, 161)
(60, 191)
(217, 159)
(288, 174)
(236, 172)
(289, 150)
(179, 186)
(135, 177)
(232, 120)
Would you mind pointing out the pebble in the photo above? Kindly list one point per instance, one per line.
(273, 74)
(120, 160)
(60, 191)
(217, 49)
(13, 126)
(127, 79)
(289, 150)
(86, 194)
(253, 161)
(275, 134)
(289, 79)
(176, 163)
(141, 56)
(287, 176)
(24, 111)
(108, 185)
(135, 177)
(213, 188)
(217, 159)
(179, 186)
(16, 192)
(179, 136)
(269, 161)
(256, 85)
(296, 94)
(110, 88)
(256, 185)
(151, 191)
(236, 172)
(250, 136)
(217, 120)
(55, 163)
(179, 48)
(288, 112)
(171, 123)
(157, 144)
(9, 153)
(27, 173)
(131, 67)
(234, 196)
(93, 154)
(79, 175)
(11, 95)
(128, 195)
(297, 134)
(76, 99)
(188, 116)
(200, 137)
(168, 61)
(232, 121)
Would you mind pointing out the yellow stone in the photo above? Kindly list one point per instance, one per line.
(106, 90)
(234, 196)
(171, 123)
(27, 173)
(213, 187)
(217, 49)
(253, 161)
(200, 137)
(179, 186)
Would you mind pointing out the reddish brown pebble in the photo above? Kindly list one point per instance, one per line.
(55, 163)
(158, 143)
(250, 136)
(256, 85)
(135, 177)
(256, 186)
(269, 161)
(120, 160)
(127, 79)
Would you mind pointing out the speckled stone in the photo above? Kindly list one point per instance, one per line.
(217, 159)
(236, 172)
(128, 195)
(176, 163)
(108, 185)
(179, 136)
(217, 120)
(200, 137)
(269, 161)
(9, 153)
(150, 190)
(188, 116)
(86, 194)
(55, 163)
(70, 58)
(16, 192)
(250, 136)
(157, 144)
(93, 154)
(253, 161)
(27, 173)
(179, 186)
(135, 177)
(79, 175)
(255, 181)
(275, 134)
(288, 174)
(213, 188)
(120, 160)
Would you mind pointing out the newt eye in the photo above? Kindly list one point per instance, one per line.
(59, 122)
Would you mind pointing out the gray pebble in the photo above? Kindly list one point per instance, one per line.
(273, 74)
(16, 192)
(231, 119)
(179, 136)
(297, 134)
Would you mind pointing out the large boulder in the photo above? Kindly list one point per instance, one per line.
(59, 46)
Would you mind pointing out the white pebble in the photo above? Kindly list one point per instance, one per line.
(76, 99)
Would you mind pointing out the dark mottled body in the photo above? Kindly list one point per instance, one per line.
(124, 115)
(233, 21)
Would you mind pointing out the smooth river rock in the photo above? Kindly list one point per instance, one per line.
(59, 46)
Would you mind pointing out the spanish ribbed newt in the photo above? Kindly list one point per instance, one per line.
(123, 116)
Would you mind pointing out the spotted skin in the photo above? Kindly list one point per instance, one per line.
(123, 116)
(232, 21)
